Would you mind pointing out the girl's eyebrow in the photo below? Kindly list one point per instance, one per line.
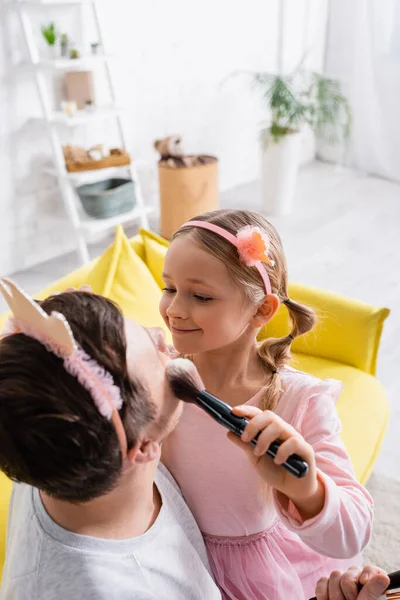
(191, 280)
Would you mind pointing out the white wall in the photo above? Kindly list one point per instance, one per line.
(171, 60)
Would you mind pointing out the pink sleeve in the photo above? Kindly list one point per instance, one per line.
(343, 528)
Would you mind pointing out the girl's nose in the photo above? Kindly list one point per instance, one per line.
(176, 309)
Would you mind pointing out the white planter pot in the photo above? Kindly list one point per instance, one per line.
(52, 52)
(279, 168)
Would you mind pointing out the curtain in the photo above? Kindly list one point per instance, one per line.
(363, 52)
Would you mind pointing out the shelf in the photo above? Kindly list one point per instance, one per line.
(90, 176)
(81, 117)
(70, 63)
(38, 3)
(92, 226)
(61, 64)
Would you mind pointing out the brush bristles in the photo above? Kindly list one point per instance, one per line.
(184, 380)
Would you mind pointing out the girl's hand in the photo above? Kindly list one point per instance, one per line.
(307, 493)
(375, 582)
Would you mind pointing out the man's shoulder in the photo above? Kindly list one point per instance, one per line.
(46, 562)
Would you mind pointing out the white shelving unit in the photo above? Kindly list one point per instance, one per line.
(82, 117)
(83, 225)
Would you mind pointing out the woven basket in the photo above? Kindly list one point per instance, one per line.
(108, 198)
(186, 192)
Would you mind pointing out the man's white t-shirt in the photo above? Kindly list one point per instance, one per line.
(46, 562)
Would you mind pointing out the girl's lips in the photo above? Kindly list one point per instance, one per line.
(183, 331)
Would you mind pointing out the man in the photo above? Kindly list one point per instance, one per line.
(84, 524)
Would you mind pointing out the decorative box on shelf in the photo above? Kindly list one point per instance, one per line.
(78, 160)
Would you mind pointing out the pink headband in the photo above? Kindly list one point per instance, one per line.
(54, 332)
(251, 242)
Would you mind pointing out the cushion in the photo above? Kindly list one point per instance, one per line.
(123, 277)
(362, 407)
(137, 246)
(155, 250)
(347, 331)
(5, 491)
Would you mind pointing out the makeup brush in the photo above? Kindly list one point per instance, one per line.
(186, 384)
(393, 585)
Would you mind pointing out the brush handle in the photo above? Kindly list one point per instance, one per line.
(393, 585)
(294, 464)
(222, 413)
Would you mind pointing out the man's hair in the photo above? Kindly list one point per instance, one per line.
(51, 434)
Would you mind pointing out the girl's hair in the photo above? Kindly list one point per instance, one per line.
(273, 352)
(52, 436)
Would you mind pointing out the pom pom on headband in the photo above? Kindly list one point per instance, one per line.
(252, 245)
(55, 334)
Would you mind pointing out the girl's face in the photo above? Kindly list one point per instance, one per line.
(201, 305)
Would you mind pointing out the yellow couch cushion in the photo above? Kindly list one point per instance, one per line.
(5, 491)
(123, 277)
(347, 331)
(363, 409)
(155, 249)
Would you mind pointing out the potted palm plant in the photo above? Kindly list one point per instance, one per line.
(50, 35)
(293, 101)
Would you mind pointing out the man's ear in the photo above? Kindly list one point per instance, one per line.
(266, 310)
(144, 451)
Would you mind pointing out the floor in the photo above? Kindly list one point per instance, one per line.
(343, 235)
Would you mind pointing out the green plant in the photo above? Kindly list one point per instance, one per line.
(74, 53)
(64, 38)
(304, 97)
(49, 33)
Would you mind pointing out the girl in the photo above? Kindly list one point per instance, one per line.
(225, 277)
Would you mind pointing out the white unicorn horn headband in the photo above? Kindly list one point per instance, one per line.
(54, 332)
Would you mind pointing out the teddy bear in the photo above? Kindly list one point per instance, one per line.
(171, 153)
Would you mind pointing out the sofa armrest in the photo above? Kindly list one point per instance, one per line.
(347, 331)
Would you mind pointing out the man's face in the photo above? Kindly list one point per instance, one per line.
(147, 356)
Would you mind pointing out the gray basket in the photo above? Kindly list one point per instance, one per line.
(108, 198)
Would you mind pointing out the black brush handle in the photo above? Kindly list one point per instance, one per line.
(294, 464)
(393, 585)
(222, 413)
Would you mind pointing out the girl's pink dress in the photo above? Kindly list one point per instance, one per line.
(257, 548)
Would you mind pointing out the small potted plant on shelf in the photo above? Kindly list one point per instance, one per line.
(95, 47)
(74, 53)
(293, 101)
(64, 41)
(90, 106)
(50, 35)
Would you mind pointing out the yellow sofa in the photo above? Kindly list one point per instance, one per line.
(344, 344)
